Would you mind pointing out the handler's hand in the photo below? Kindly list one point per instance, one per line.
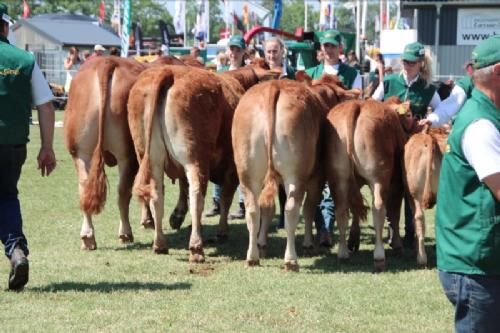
(46, 161)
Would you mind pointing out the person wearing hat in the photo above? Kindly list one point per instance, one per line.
(462, 90)
(468, 201)
(331, 42)
(412, 84)
(236, 52)
(98, 52)
(21, 84)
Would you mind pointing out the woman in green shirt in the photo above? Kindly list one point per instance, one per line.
(411, 84)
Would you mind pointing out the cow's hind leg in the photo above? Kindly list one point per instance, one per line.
(419, 220)
(379, 213)
(295, 195)
(313, 197)
(179, 214)
(87, 236)
(266, 216)
(198, 181)
(127, 170)
(226, 198)
(252, 218)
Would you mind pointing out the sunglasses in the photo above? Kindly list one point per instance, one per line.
(409, 63)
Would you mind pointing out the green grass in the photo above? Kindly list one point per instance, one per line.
(126, 288)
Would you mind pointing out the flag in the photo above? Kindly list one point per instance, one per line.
(246, 18)
(238, 23)
(26, 9)
(179, 16)
(127, 14)
(116, 17)
(102, 13)
(278, 5)
(200, 29)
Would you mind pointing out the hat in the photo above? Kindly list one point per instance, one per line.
(3, 13)
(486, 53)
(99, 47)
(237, 40)
(331, 37)
(413, 52)
(164, 48)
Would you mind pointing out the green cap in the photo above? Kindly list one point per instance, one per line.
(413, 52)
(237, 40)
(4, 12)
(486, 53)
(331, 37)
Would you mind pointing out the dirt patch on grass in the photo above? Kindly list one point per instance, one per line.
(205, 270)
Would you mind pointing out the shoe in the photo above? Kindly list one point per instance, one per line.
(214, 210)
(19, 273)
(239, 214)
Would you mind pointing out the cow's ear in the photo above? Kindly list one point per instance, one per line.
(301, 76)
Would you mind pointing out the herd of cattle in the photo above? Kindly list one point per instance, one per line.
(245, 127)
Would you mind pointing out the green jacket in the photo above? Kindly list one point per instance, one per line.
(346, 74)
(16, 67)
(466, 84)
(467, 213)
(419, 94)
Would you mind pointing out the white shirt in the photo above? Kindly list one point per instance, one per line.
(448, 108)
(40, 90)
(379, 93)
(481, 147)
(334, 70)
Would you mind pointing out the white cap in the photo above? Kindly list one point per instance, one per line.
(99, 47)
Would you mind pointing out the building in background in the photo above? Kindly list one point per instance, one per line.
(49, 36)
(451, 29)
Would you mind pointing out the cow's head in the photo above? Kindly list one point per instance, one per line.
(402, 109)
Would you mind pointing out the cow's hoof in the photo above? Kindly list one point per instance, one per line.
(397, 251)
(160, 250)
(148, 224)
(262, 250)
(126, 238)
(88, 243)
(421, 262)
(222, 237)
(196, 255)
(378, 265)
(353, 245)
(308, 251)
(291, 266)
(253, 263)
(176, 219)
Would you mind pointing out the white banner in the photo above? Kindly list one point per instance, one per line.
(474, 25)
(179, 16)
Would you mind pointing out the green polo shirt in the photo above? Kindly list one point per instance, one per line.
(419, 93)
(16, 67)
(346, 74)
(467, 213)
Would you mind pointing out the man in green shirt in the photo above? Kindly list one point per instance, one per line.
(21, 83)
(331, 43)
(468, 201)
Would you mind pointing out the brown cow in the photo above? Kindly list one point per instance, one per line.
(365, 142)
(276, 132)
(97, 133)
(181, 123)
(422, 162)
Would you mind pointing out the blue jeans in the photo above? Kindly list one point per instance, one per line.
(476, 299)
(324, 218)
(217, 191)
(11, 222)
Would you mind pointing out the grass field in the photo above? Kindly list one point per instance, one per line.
(126, 288)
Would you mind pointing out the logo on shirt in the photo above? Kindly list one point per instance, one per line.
(8, 71)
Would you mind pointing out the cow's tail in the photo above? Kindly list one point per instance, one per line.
(266, 198)
(357, 204)
(144, 188)
(428, 197)
(94, 192)
(351, 126)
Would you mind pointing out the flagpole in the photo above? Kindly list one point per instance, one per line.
(305, 15)
(207, 8)
(358, 26)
